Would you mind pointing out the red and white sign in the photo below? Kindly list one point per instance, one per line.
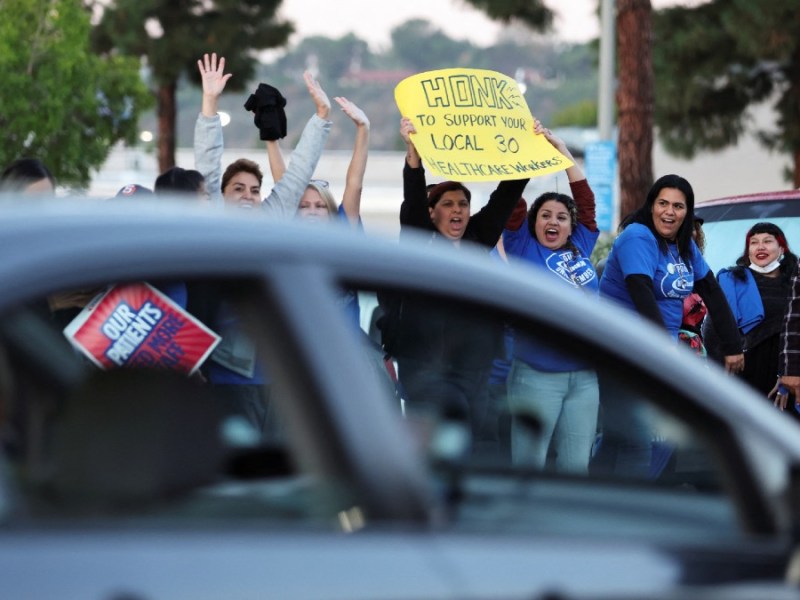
(135, 325)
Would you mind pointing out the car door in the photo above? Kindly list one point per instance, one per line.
(426, 510)
(718, 457)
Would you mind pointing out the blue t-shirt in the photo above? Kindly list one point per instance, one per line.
(636, 252)
(576, 271)
(176, 290)
(743, 297)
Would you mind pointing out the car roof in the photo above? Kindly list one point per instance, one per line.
(756, 197)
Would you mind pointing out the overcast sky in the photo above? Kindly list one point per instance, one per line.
(372, 20)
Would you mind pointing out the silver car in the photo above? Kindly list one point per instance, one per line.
(316, 477)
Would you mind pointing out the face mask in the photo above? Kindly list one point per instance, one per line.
(769, 268)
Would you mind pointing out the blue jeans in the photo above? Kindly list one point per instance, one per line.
(627, 444)
(565, 406)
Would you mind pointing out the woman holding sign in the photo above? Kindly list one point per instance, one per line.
(444, 356)
(445, 209)
(558, 234)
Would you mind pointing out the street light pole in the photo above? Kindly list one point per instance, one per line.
(605, 100)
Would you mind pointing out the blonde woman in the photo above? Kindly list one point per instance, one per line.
(317, 202)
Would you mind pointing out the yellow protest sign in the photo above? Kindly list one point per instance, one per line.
(474, 125)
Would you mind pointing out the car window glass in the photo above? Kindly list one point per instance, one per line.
(720, 252)
(508, 412)
(152, 400)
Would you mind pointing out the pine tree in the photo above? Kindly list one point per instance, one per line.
(634, 102)
(713, 62)
(635, 86)
(533, 13)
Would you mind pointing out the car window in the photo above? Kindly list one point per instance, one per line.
(725, 227)
(154, 400)
(529, 426)
(721, 251)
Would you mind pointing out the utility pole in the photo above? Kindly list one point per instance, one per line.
(600, 160)
(605, 100)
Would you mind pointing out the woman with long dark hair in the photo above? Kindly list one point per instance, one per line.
(653, 265)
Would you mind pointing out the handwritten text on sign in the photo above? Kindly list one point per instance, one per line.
(474, 125)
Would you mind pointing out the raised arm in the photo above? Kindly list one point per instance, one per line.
(354, 184)
(414, 209)
(318, 95)
(488, 223)
(267, 104)
(285, 196)
(505, 210)
(406, 129)
(277, 165)
(574, 173)
(581, 192)
(208, 141)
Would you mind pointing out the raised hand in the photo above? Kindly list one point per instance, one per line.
(212, 73)
(318, 95)
(406, 129)
(412, 156)
(574, 173)
(354, 183)
(556, 141)
(352, 111)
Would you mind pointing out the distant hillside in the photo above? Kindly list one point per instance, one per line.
(556, 76)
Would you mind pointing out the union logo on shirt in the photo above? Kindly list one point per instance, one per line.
(677, 281)
(577, 272)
